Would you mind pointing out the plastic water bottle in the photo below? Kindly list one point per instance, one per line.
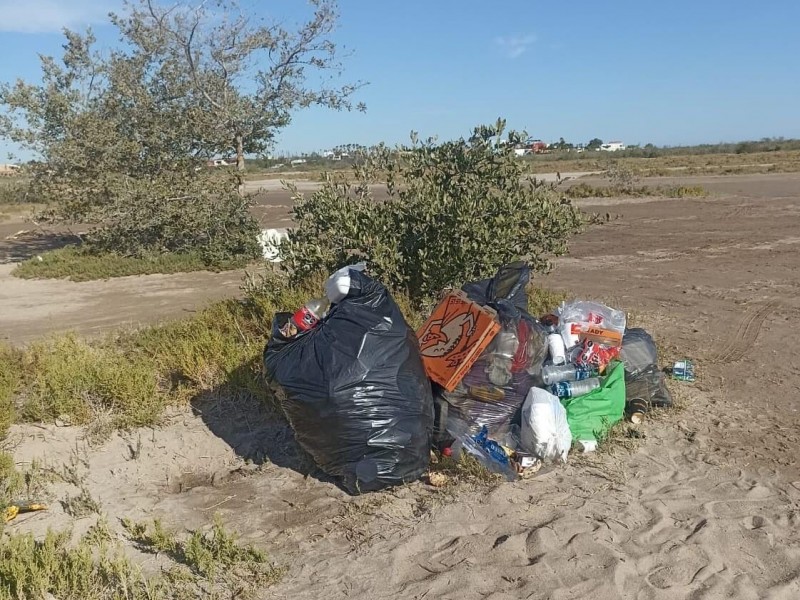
(309, 315)
(570, 389)
(554, 373)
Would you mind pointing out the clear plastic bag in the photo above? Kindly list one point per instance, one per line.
(649, 386)
(645, 384)
(486, 450)
(493, 390)
(585, 314)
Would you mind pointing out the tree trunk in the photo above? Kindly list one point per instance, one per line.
(239, 153)
(240, 162)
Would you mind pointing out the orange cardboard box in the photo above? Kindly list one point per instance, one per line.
(453, 338)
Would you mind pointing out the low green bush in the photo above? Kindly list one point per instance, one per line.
(455, 212)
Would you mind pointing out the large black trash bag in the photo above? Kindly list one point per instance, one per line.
(643, 380)
(504, 381)
(355, 391)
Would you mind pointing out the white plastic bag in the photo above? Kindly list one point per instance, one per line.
(338, 284)
(545, 431)
(270, 241)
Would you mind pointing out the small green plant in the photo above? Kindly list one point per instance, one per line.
(90, 570)
(621, 176)
(455, 212)
(99, 534)
(82, 505)
(155, 538)
(11, 480)
(684, 191)
(215, 556)
(27, 485)
(219, 550)
(584, 190)
(96, 568)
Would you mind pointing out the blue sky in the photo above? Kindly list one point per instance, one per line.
(676, 72)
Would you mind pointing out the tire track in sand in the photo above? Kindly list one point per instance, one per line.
(742, 340)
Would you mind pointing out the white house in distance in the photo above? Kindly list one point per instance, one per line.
(612, 146)
(8, 169)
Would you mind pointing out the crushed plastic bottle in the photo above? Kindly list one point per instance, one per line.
(554, 373)
(570, 389)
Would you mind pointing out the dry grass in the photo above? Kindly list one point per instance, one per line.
(785, 161)
(584, 190)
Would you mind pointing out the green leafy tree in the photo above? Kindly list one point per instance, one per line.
(247, 76)
(121, 137)
(594, 144)
(118, 148)
(562, 144)
(455, 212)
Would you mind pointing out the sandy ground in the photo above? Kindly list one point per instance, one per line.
(707, 506)
(33, 308)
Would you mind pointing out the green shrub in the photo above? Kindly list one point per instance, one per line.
(684, 191)
(85, 264)
(9, 380)
(14, 190)
(455, 212)
(97, 568)
(177, 213)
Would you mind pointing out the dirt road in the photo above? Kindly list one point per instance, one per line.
(33, 308)
(706, 506)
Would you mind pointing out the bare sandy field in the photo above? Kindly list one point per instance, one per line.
(706, 504)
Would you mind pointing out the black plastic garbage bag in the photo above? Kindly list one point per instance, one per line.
(494, 389)
(649, 386)
(355, 391)
(643, 380)
(638, 351)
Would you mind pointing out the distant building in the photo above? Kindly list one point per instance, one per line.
(219, 162)
(612, 146)
(531, 147)
(8, 169)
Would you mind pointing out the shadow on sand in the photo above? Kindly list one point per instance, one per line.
(253, 426)
(28, 243)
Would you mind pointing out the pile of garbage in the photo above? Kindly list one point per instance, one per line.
(367, 397)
